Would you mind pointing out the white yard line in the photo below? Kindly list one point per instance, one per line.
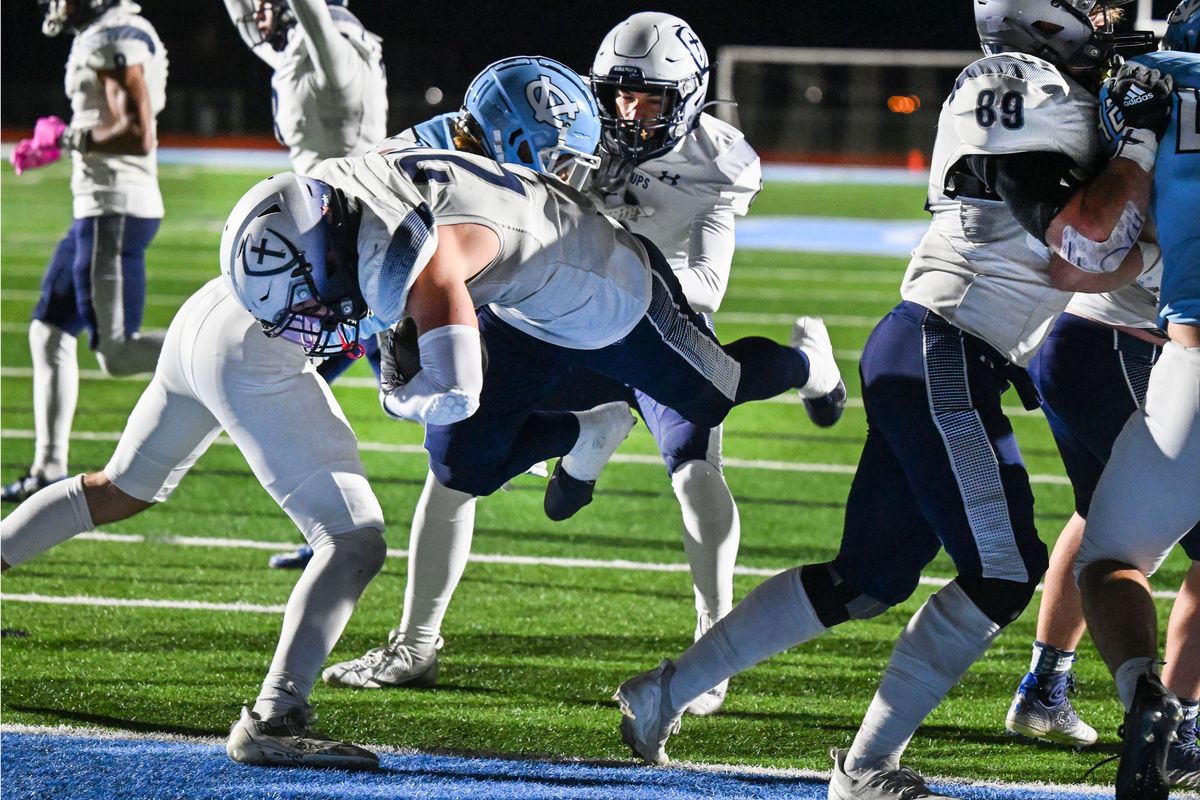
(623, 565)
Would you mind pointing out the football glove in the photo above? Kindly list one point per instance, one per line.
(399, 355)
(1144, 97)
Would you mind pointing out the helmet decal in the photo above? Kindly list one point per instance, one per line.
(549, 103)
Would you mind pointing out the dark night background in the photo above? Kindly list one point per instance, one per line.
(216, 85)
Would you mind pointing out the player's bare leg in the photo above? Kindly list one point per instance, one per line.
(1182, 676)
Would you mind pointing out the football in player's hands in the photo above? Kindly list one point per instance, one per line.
(1144, 97)
(400, 355)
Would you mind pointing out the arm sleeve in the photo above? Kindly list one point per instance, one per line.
(710, 255)
(1035, 186)
(446, 389)
(240, 12)
(333, 57)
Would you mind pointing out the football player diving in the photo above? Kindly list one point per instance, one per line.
(716, 174)
(96, 279)
(1092, 374)
(940, 467)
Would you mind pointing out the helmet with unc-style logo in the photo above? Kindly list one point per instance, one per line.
(535, 112)
(656, 54)
(289, 252)
(1183, 28)
(1060, 31)
(57, 17)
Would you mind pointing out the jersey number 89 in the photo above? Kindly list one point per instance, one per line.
(1010, 109)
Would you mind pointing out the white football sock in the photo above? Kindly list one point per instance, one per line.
(601, 431)
(1127, 676)
(942, 640)
(316, 614)
(55, 394)
(711, 532)
(438, 546)
(49, 517)
(776, 615)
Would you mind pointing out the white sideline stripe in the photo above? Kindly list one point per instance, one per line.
(479, 558)
(121, 602)
(619, 458)
(787, 398)
(746, 318)
(732, 770)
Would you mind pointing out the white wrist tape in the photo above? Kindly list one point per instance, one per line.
(1139, 146)
(1106, 256)
(446, 389)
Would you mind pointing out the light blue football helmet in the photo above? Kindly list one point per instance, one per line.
(1183, 28)
(537, 113)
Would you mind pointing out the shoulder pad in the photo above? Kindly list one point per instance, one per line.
(118, 46)
(1010, 103)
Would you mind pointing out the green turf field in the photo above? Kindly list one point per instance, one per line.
(533, 651)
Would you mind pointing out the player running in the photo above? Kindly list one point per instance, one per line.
(96, 279)
(940, 467)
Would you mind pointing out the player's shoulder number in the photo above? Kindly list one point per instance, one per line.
(1005, 108)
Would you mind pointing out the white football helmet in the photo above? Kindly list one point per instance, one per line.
(657, 54)
(289, 252)
(1059, 31)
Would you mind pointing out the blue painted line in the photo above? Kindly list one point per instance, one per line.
(101, 768)
(821, 235)
(819, 173)
(264, 160)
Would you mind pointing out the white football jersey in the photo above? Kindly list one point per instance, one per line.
(694, 191)
(976, 266)
(103, 183)
(330, 109)
(565, 274)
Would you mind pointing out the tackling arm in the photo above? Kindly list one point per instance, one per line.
(332, 55)
(446, 389)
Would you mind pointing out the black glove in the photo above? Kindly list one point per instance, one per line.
(399, 355)
(1144, 97)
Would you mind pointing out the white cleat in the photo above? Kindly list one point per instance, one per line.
(392, 666)
(290, 742)
(902, 783)
(644, 724)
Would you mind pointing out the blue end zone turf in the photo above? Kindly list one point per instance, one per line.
(871, 237)
(102, 768)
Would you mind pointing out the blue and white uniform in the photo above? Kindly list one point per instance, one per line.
(328, 85)
(570, 288)
(1146, 500)
(941, 466)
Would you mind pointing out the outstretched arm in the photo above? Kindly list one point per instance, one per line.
(333, 57)
(242, 14)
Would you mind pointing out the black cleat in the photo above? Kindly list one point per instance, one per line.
(565, 495)
(825, 411)
(1150, 728)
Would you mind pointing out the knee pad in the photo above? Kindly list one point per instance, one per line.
(1001, 601)
(834, 600)
(130, 356)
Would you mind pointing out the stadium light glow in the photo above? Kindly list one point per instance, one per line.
(903, 104)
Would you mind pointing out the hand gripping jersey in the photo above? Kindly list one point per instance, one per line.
(102, 183)
(976, 266)
(565, 274)
(694, 190)
(329, 97)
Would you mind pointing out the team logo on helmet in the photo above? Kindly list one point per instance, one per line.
(550, 104)
(262, 250)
